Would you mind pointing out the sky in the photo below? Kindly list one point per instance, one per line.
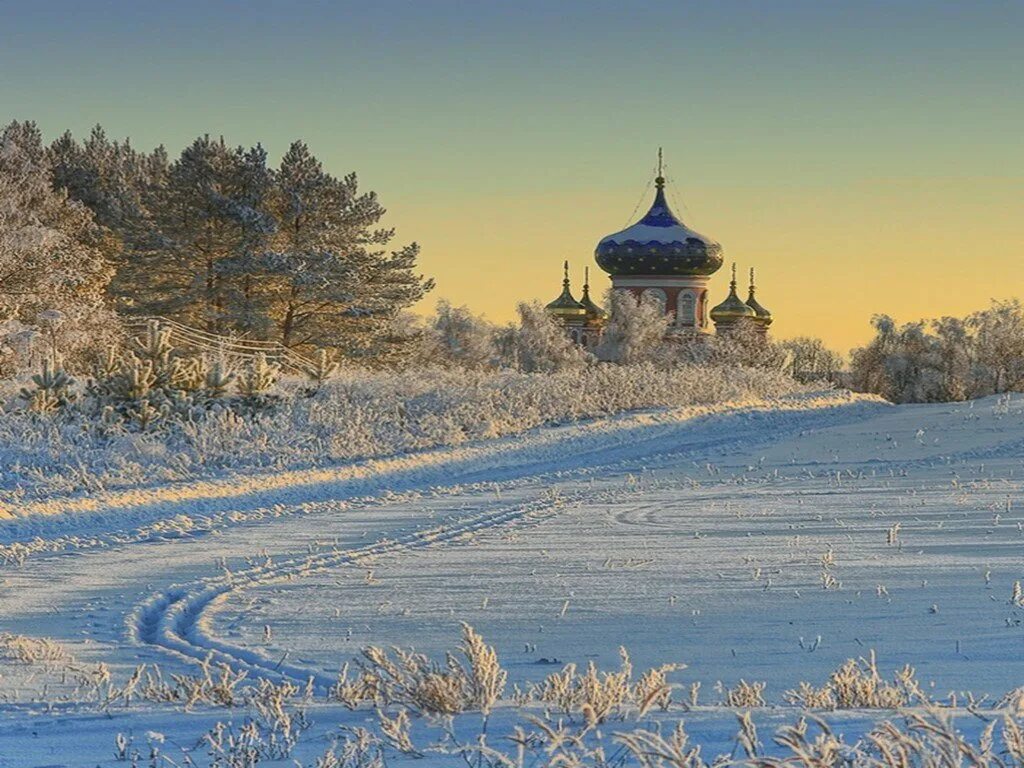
(866, 157)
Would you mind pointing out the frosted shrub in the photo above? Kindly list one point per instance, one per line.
(596, 695)
(486, 677)
(744, 695)
(32, 650)
(650, 749)
(599, 695)
(323, 368)
(257, 379)
(52, 390)
(215, 685)
(858, 685)
(359, 748)
(354, 415)
(414, 681)
(396, 732)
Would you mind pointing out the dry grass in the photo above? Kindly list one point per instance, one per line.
(744, 695)
(599, 695)
(857, 684)
(474, 682)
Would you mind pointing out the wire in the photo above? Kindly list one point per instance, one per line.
(643, 196)
(676, 200)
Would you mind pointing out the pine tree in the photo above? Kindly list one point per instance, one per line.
(219, 240)
(247, 309)
(112, 180)
(180, 270)
(109, 178)
(332, 282)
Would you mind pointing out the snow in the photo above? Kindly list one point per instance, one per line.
(696, 535)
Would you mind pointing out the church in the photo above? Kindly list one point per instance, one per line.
(659, 258)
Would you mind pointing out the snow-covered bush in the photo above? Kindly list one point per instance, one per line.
(354, 415)
(745, 346)
(809, 360)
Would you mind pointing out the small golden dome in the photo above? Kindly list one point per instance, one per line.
(565, 305)
(762, 315)
(733, 308)
(594, 312)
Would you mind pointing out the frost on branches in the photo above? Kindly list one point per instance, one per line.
(541, 345)
(947, 359)
(636, 330)
(52, 267)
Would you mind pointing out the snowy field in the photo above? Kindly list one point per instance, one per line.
(767, 543)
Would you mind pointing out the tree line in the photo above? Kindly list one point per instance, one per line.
(219, 238)
(944, 359)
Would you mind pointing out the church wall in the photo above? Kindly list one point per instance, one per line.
(672, 289)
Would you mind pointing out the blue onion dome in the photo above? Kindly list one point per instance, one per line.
(762, 315)
(565, 305)
(594, 312)
(658, 244)
(733, 308)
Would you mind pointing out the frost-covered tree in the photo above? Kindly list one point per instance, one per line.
(53, 271)
(108, 177)
(868, 371)
(455, 336)
(955, 352)
(922, 361)
(247, 305)
(636, 330)
(539, 344)
(220, 240)
(112, 179)
(808, 359)
(999, 346)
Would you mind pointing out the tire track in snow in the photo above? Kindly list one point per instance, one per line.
(174, 620)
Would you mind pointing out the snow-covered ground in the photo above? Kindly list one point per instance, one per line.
(765, 542)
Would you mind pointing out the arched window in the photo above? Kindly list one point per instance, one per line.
(686, 309)
(657, 295)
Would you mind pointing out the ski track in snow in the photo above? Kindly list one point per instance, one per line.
(175, 619)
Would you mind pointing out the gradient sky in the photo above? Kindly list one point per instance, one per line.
(865, 156)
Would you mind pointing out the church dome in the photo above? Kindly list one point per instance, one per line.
(733, 309)
(761, 314)
(594, 312)
(659, 244)
(565, 306)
